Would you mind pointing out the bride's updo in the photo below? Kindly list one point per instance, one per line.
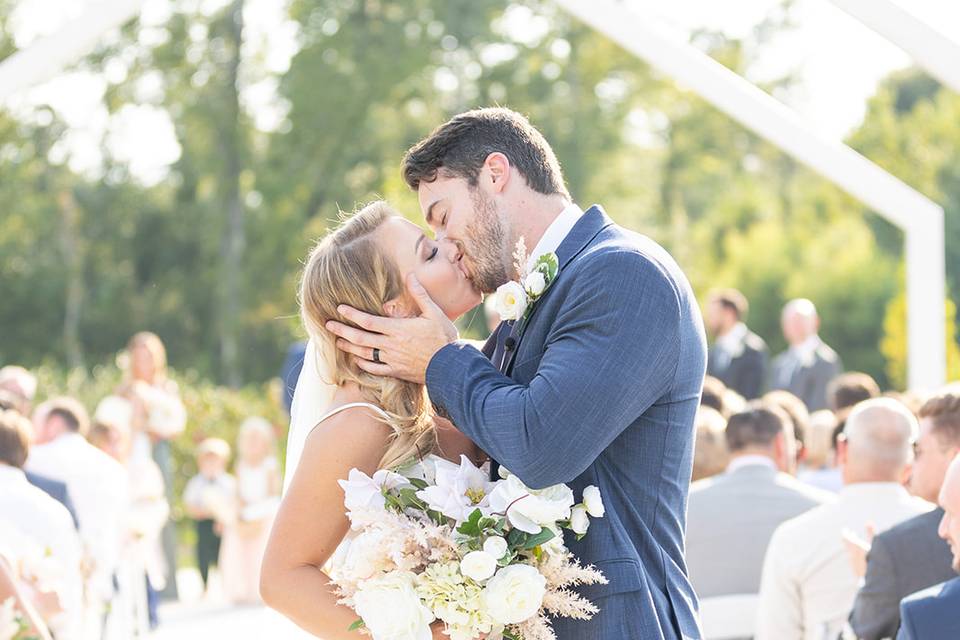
(348, 267)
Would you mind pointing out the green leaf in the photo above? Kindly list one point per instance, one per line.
(538, 539)
(418, 483)
(516, 538)
(356, 625)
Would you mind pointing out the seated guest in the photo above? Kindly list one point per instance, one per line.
(43, 523)
(737, 356)
(808, 587)
(798, 414)
(731, 517)
(710, 455)
(850, 389)
(98, 487)
(21, 385)
(717, 396)
(808, 365)
(819, 468)
(936, 613)
(910, 556)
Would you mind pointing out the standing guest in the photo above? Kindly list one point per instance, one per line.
(808, 588)
(44, 524)
(738, 356)
(98, 486)
(910, 556)
(258, 496)
(710, 454)
(731, 517)
(933, 614)
(21, 385)
(209, 498)
(143, 564)
(808, 366)
(820, 468)
(159, 416)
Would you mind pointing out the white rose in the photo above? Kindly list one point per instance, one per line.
(535, 283)
(530, 510)
(511, 301)
(593, 502)
(392, 610)
(478, 565)
(515, 594)
(366, 556)
(496, 546)
(579, 521)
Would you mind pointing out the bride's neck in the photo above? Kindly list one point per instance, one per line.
(352, 392)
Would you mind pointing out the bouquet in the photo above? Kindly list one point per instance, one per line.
(485, 558)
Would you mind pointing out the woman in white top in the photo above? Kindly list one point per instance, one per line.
(258, 496)
(375, 423)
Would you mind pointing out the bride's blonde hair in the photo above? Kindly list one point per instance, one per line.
(348, 267)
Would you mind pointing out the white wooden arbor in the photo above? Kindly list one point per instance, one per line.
(920, 219)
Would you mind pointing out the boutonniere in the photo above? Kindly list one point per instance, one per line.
(516, 299)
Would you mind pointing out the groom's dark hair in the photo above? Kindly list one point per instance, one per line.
(460, 146)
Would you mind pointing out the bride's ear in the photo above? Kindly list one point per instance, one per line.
(397, 308)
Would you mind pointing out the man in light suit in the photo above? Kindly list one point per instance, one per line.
(936, 613)
(911, 556)
(737, 356)
(597, 384)
(808, 366)
(731, 517)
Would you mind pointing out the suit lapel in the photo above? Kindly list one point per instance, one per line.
(592, 222)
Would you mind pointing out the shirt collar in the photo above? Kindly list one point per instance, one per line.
(555, 233)
(807, 347)
(732, 340)
(751, 461)
(12, 474)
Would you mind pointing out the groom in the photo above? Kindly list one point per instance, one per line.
(598, 387)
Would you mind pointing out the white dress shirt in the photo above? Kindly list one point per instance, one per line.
(555, 234)
(98, 486)
(808, 586)
(39, 533)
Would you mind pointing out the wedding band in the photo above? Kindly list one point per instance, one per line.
(376, 356)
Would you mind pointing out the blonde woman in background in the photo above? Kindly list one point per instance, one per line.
(258, 496)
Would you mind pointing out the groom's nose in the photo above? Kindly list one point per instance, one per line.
(452, 250)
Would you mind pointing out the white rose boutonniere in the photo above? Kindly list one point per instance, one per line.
(511, 301)
(515, 299)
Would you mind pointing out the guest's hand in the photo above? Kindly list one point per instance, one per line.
(858, 548)
(405, 345)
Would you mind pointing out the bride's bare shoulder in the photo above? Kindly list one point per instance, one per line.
(350, 431)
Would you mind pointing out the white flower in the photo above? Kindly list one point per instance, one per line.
(593, 502)
(9, 626)
(367, 555)
(515, 594)
(503, 472)
(530, 510)
(495, 546)
(511, 301)
(363, 492)
(478, 565)
(459, 491)
(579, 521)
(392, 610)
(535, 284)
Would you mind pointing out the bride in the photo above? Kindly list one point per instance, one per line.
(372, 423)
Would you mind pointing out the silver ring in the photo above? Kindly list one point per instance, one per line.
(376, 356)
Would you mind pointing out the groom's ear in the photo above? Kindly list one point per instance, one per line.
(496, 172)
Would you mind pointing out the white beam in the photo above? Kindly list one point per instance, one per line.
(917, 215)
(932, 49)
(45, 58)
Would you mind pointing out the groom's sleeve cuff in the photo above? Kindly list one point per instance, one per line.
(445, 373)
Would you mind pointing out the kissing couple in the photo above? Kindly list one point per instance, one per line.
(593, 378)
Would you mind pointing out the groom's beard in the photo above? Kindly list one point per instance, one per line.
(487, 245)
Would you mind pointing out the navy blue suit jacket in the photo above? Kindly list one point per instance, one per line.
(601, 388)
(56, 490)
(933, 614)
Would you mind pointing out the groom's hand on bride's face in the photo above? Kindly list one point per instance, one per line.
(405, 345)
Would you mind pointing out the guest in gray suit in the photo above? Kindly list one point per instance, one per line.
(738, 356)
(808, 366)
(934, 614)
(731, 517)
(911, 556)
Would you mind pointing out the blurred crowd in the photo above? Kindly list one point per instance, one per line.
(90, 495)
(821, 507)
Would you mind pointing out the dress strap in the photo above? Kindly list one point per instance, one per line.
(350, 405)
